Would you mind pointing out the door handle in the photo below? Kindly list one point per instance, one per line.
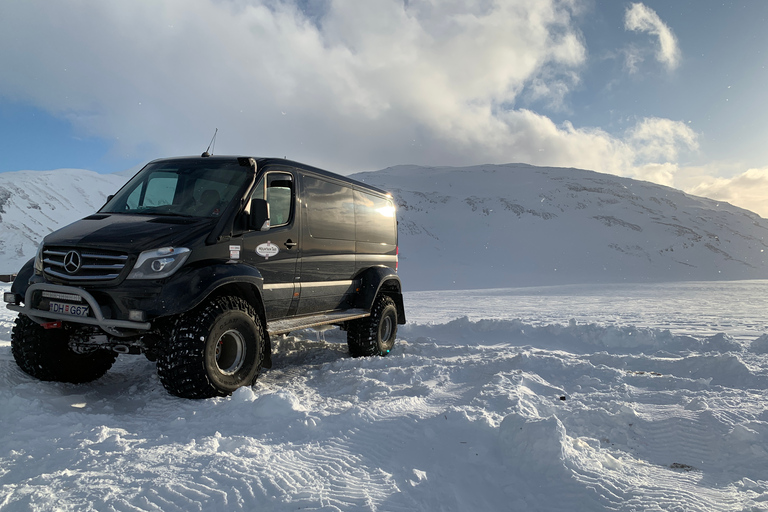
(290, 244)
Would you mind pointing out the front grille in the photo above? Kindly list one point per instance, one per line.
(73, 264)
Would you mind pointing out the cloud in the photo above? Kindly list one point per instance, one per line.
(748, 190)
(640, 18)
(347, 85)
(633, 57)
(660, 140)
(663, 174)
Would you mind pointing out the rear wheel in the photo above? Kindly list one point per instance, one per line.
(45, 354)
(213, 350)
(374, 335)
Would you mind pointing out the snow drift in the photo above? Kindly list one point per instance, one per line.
(465, 414)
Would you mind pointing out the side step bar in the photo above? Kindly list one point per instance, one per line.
(305, 322)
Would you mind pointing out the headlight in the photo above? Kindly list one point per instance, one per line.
(159, 263)
(39, 260)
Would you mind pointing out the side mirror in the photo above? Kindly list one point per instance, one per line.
(258, 220)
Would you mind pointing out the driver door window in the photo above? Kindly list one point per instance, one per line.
(279, 190)
(278, 268)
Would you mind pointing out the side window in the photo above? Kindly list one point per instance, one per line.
(330, 209)
(132, 202)
(278, 188)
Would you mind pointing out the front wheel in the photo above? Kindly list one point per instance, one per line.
(213, 350)
(374, 335)
(45, 354)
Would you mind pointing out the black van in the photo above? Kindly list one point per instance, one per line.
(198, 261)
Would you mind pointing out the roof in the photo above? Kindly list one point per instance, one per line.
(264, 161)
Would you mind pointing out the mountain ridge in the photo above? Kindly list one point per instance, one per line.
(485, 226)
(523, 225)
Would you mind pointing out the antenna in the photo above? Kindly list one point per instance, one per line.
(211, 145)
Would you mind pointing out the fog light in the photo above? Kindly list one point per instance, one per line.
(10, 297)
(136, 315)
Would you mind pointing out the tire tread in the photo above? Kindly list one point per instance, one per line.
(362, 334)
(45, 354)
(181, 365)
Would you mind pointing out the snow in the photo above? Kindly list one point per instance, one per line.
(559, 386)
(513, 225)
(34, 203)
(600, 397)
(480, 227)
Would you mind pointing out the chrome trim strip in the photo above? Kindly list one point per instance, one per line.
(105, 256)
(118, 257)
(70, 277)
(327, 284)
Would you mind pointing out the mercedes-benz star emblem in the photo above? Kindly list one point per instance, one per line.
(72, 262)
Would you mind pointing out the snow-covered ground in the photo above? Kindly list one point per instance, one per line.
(570, 398)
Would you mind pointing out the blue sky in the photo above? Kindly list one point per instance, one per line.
(671, 92)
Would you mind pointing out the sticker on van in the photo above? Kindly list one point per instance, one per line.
(267, 250)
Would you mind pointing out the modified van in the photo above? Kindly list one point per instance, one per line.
(198, 262)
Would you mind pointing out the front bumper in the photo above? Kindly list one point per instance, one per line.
(34, 296)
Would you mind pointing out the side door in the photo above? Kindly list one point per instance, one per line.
(276, 252)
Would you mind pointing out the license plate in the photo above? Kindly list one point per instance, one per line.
(68, 309)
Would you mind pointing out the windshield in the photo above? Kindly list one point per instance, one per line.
(193, 188)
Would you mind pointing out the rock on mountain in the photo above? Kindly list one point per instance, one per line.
(34, 203)
(520, 225)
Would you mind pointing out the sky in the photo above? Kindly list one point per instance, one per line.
(670, 92)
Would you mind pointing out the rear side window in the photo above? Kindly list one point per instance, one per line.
(330, 209)
(375, 218)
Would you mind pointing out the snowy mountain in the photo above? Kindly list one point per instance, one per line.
(480, 227)
(34, 203)
(520, 225)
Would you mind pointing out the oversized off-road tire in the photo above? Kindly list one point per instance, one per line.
(374, 335)
(213, 350)
(45, 354)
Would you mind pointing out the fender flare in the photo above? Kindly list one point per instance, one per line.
(199, 282)
(23, 277)
(380, 280)
(190, 287)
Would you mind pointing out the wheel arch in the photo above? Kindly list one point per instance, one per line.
(381, 280)
(207, 282)
(21, 281)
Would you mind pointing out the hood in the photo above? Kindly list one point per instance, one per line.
(130, 233)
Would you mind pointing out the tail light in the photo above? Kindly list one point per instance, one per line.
(397, 253)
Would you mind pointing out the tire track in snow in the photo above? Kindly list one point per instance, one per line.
(461, 418)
